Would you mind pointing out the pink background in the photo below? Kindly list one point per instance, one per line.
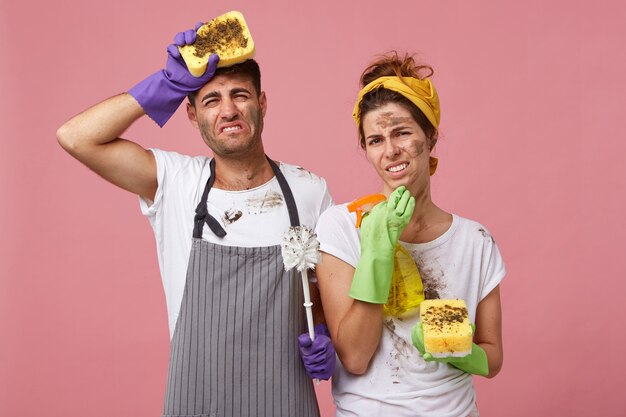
(532, 146)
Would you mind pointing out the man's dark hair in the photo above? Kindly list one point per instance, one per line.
(249, 68)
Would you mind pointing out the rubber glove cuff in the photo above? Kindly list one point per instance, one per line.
(372, 278)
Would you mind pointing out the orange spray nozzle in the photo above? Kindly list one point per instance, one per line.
(363, 205)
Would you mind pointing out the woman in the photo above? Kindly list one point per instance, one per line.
(381, 372)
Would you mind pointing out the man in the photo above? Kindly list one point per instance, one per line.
(234, 312)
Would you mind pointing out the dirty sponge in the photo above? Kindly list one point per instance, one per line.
(227, 36)
(447, 329)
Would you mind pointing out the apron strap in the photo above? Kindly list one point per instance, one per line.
(203, 216)
(289, 200)
(202, 213)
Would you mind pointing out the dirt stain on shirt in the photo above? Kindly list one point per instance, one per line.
(271, 200)
(486, 235)
(401, 347)
(232, 215)
(306, 174)
(433, 278)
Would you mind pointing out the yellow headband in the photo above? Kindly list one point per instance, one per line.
(422, 93)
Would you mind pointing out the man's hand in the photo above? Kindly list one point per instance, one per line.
(162, 92)
(318, 355)
(175, 67)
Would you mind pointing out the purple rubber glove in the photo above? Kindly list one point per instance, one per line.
(318, 355)
(161, 93)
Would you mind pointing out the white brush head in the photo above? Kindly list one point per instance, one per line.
(300, 248)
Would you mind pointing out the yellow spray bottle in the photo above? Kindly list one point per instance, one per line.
(407, 289)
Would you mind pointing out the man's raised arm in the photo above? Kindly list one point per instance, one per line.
(93, 137)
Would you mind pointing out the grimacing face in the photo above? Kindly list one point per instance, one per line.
(397, 148)
(229, 114)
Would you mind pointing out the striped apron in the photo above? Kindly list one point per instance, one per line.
(234, 351)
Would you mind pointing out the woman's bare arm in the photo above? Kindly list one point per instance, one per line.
(489, 330)
(355, 326)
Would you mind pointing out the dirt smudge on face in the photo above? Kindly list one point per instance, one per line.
(269, 201)
(414, 149)
(387, 120)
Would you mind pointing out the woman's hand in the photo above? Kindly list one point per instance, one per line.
(380, 230)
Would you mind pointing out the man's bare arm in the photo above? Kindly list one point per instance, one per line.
(93, 137)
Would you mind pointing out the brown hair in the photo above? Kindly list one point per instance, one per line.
(248, 68)
(391, 64)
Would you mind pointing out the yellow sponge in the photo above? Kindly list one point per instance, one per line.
(447, 329)
(227, 36)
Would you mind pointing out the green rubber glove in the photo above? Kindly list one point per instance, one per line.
(475, 363)
(380, 230)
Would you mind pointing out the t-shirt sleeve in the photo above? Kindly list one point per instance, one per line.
(310, 191)
(493, 269)
(169, 166)
(150, 207)
(327, 199)
(338, 235)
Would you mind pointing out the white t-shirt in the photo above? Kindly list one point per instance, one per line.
(462, 263)
(251, 218)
